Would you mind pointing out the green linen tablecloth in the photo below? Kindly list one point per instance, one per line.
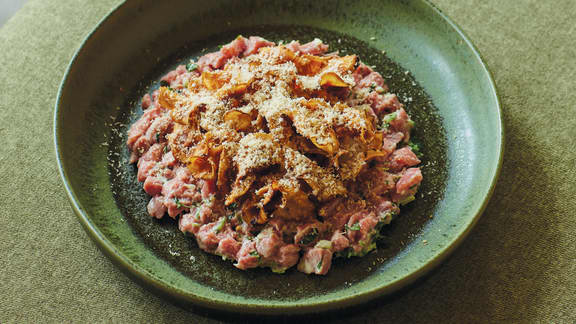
(518, 265)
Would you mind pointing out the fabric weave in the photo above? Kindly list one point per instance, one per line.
(518, 264)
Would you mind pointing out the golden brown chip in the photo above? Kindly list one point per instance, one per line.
(240, 188)
(201, 167)
(181, 139)
(374, 154)
(224, 166)
(331, 79)
(214, 80)
(330, 144)
(314, 103)
(203, 159)
(238, 120)
(279, 54)
(295, 205)
(237, 89)
(344, 63)
(310, 64)
(167, 98)
(194, 85)
(250, 210)
(376, 141)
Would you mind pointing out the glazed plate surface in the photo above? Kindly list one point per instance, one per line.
(424, 58)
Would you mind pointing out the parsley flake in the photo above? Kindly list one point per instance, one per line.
(309, 237)
(355, 227)
(415, 148)
(218, 227)
(180, 204)
(191, 66)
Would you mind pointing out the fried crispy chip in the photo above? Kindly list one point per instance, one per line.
(374, 154)
(224, 166)
(214, 80)
(237, 89)
(194, 85)
(186, 115)
(344, 63)
(354, 160)
(182, 138)
(238, 120)
(251, 211)
(279, 54)
(295, 205)
(330, 143)
(203, 159)
(240, 188)
(310, 64)
(167, 97)
(331, 79)
(314, 103)
(376, 141)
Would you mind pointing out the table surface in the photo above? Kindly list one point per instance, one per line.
(8, 8)
(518, 265)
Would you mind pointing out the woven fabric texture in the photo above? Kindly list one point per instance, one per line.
(518, 265)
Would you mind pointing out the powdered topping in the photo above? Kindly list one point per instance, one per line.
(255, 152)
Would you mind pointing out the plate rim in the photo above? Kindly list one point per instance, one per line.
(143, 278)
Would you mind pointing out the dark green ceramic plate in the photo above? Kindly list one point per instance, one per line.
(437, 73)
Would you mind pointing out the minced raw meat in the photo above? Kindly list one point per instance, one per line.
(329, 211)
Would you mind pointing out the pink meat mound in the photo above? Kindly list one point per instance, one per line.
(343, 228)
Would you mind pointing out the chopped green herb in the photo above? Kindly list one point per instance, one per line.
(355, 227)
(276, 269)
(324, 244)
(372, 86)
(319, 265)
(415, 148)
(383, 126)
(157, 137)
(309, 237)
(191, 66)
(207, 200)
(232, 206)
(254, 253)
(218, 227)
(165, 149)
(407, 200)
(385, 122)
(390, 117)
(181, 205)
(220, 46)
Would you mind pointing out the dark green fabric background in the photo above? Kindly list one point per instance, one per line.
(518, 265)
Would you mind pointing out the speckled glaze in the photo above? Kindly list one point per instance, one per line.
(428, 63)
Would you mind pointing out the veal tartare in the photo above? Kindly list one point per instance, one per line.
(276, 155)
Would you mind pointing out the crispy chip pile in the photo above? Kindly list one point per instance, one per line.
(273, 130)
